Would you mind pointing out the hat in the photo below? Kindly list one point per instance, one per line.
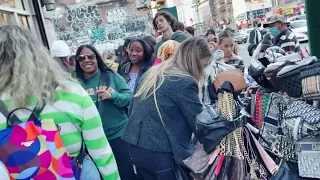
(210, 31)
(60, 49)
(273, 19)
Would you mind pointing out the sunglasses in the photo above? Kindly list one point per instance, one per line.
(81, 58)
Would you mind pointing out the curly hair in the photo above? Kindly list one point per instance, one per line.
(171, 19)
(27, 70)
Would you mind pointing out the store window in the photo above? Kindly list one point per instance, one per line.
(24, 21)
(17, 4)
(4, 18)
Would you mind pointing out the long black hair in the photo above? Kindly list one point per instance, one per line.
(101, 65)
(147, 51)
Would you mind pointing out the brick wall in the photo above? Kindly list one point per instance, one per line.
(103, 23)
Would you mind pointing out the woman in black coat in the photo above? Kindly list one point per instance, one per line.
(163, 112)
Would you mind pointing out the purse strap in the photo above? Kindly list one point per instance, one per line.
(158, 109)
(5, 112)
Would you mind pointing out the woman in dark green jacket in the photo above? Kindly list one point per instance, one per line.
(111, 95)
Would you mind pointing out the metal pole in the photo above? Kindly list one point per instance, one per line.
(312, 9)
(198, 14)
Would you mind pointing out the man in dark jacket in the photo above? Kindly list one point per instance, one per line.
(284, 38)
(166, 24)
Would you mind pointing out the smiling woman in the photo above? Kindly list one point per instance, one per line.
(111, 95)
(140, 55)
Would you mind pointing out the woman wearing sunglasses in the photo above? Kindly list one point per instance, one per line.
(111, 95)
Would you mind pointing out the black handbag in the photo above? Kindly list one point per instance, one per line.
(286, 171)
(212, 127)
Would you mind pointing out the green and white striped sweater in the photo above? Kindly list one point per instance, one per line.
(79, 107)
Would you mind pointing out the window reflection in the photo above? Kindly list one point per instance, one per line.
(24, 21)
(4, 18)
(18, 4)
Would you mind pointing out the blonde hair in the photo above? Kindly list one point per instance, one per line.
(26, 68)
(186, 63)
(168, 50)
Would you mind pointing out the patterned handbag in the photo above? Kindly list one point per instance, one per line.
(269, 129)
(34, 149)
(301, 120)
(310, 80)
(309, 157)
(272, 133)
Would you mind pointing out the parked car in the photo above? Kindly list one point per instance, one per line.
(300, 29)
(248, 31)
(295, 18)
(240, 38)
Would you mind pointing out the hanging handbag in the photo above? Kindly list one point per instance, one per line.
(309, 157)
(234, 76)
(310, 79)
(269, 129)
(301, 120)
(200, 162)
(290, 77)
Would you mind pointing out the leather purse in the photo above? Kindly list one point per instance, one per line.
(212, 127)
(234, 76)
(200, 162)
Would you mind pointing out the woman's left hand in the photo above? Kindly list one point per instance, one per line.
(104, 94)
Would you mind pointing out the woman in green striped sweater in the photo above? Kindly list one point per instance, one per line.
(29, 77)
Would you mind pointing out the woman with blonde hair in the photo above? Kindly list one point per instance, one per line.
(30, 78)
(167, 51)
(228, 46)
(163, 112)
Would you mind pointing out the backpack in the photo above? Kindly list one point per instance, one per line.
(34, 149)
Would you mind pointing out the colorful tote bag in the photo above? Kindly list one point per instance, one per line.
(34, 150)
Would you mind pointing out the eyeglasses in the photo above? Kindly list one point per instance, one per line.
(81, 58)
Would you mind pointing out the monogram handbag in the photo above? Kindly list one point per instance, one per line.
(301, 120)
(309, 157)
(200, 162)
(269, 129)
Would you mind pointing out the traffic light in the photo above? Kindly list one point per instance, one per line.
(198, 2)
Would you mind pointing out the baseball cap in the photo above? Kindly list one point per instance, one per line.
(60, 49)
(273, 19)
(210, 31)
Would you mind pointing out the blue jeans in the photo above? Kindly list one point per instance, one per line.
(89, 170)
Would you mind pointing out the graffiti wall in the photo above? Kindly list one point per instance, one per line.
(104, 24)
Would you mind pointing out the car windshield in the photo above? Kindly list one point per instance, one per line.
(298, 24)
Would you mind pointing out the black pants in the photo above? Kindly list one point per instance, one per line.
(120, 150)
(152, 165)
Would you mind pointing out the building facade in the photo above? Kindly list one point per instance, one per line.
(223, 14)
(102, 23)
(258, 9)
(29, 14)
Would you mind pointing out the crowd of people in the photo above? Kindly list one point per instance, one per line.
(133, 110)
